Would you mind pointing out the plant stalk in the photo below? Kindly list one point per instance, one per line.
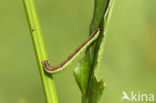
(40, 51)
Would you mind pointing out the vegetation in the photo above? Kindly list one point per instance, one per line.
(86, 71)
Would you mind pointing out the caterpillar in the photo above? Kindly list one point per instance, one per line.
(71, 57)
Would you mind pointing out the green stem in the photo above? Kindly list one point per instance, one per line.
(84, 98)
(41, 54)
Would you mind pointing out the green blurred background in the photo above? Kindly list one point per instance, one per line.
(129, 60)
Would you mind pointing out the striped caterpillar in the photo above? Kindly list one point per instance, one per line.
(70, 58)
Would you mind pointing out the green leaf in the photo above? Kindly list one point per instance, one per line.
(81, 74)
(100, 45)
(86, 72)
(96, 90)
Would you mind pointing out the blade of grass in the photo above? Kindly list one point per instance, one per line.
(40, 51)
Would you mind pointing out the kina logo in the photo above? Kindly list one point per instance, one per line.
(137, 96)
